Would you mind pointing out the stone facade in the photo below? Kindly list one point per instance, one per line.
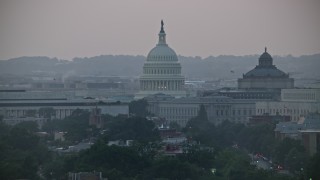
(265, 76)
(161, 71)
(219, 108)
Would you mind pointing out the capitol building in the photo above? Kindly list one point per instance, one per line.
(161, 71)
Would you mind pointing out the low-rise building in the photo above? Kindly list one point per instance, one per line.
(307, 130)
(219, 108)
(311, 140)
(296, 103)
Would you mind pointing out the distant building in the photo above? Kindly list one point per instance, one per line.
(311, 140)
(270, 119)
(296, 103)
(250, 94)
(308, 132)
(300, 95)
(265, 76)
(95, 118)
(162, 71)
(293, 129)
(85, 176)
(16, 106)
(16, 120)
(219, 108)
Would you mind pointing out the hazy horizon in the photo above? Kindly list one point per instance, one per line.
(78, 28)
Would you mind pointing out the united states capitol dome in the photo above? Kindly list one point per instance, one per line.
(161, 71)
(162, 52)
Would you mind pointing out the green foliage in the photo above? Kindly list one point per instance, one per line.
(46, 112)
(31, 113)
(21, 152)
(284, 147)
(172, 168)
(200, 156)
(233, 163)
(28, 125)
(259, 138)
(76, 126)
(139, 108)
(202, 114)
(113, 161)
(200, 129)
(295, 160)
(313, 167)
(134, 128)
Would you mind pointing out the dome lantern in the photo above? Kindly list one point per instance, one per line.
(265, 59)
(162, 35)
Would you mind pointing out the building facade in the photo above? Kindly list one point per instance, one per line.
(265, 76)
(296, 103)
(219, 108)
(18, 106)
(161, 71)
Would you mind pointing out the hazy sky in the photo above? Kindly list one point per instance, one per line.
(85, 28)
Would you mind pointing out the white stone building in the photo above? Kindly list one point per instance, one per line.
(219, 108)
(296, 103)
(161, 71)
(61, 108)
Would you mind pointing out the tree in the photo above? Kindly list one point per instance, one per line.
(202, 114)
(312, 171)
(134, 128)
(76, 125)
(28, 125)
(283, 148)
(200, 156)
(200, 129)
(172, 168)
(21, 152)
(31, 113)
(46, 112)
(295, 161)
(139, 108)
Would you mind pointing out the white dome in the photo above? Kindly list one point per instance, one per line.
(161, 71)
(162, 53)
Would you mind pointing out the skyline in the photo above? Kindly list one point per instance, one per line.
(84, 29)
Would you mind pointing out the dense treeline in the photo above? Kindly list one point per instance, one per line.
(22, 152)
(224, 67)
(212, 154)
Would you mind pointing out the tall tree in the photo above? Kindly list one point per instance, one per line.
(139, 108)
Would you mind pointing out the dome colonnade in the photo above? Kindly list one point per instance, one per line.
(162, 71)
